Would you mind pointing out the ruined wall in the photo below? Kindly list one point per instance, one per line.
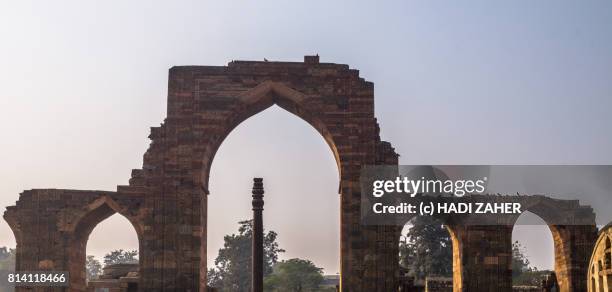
(205, 103)
(52, 226)
(482, 253)
(167, 200)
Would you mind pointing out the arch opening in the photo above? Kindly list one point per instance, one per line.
(299, 178)
(257, 100)
(534, 252)
(427, 252)
(95, 261)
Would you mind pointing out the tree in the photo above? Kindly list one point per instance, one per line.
(520, 262)
(7, 259)
(7, 266)
(522, 271)
(294, 275)
(427, 250)
(121, 256)
(531, 278)
(232, 269)
(93, 267)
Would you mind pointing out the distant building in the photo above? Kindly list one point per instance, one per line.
(116, 278)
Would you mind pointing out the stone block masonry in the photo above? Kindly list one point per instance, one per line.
(167, 199)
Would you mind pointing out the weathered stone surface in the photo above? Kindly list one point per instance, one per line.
(600, 266)
(52, 226)
(166, 200)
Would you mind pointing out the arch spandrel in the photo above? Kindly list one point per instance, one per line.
(90, 215)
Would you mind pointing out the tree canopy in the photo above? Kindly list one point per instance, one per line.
(121, 256)
(294, 275)
(7, 265)
(427, 249)
(93, 268)
(7, 258)
(233, 264)
(522, 272)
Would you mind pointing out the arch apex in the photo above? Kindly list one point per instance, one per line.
(269, 90)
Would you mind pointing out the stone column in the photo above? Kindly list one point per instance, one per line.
(486, 258)
(257, 246)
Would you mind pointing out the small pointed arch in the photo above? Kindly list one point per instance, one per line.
(543, 245)
(537, 237)
(94, 213)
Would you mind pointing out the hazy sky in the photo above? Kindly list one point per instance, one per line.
(457, 82)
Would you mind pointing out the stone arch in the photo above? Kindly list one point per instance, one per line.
(167, 197)
(255, 101)
(483, 255)
(599, 276)
(572, 227)
(560, 259)
(94, 213)
(542, 208)
(206, 102)
(556, 211)
(286, 181)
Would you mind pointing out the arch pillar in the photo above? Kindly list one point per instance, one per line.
(482, 258)
(573, 248)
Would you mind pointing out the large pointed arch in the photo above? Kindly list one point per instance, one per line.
(571, 240)
(258, 99)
